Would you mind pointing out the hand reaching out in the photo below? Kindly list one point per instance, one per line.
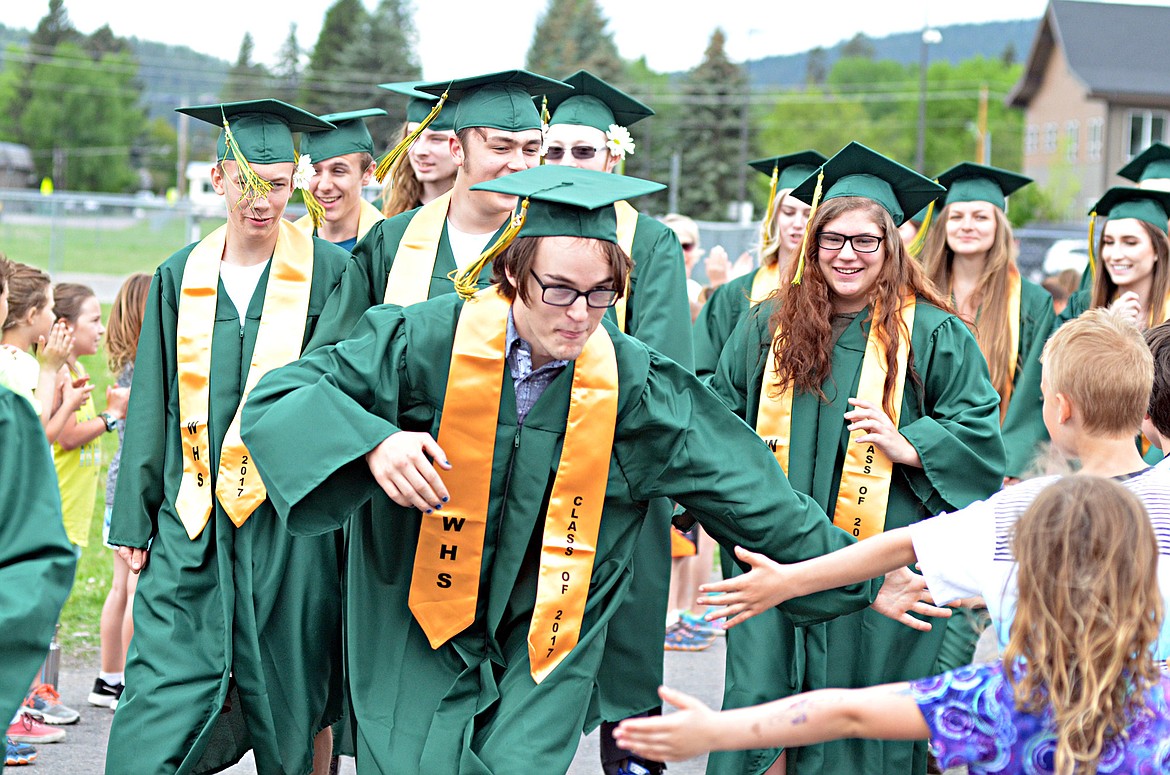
(749, 594)
(671, 737)
(904, 592)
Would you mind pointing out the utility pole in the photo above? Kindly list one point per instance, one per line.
(983, 152)
(930, 36)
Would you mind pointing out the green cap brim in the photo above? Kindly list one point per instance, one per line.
(793, 167)
(1147, 205)
(350, 136)
(1154, 162)
(420, 104)
(569, 202)
(502, 100)
(856, 170)
(968, 182)
(595, 103)
(262, 128)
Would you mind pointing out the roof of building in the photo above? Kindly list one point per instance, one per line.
(1115, 50)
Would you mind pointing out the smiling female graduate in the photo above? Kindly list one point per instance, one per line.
(237, 624)
(876, 402)
(479, 603)
(343, 163)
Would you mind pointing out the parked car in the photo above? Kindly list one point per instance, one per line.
(1066, 254)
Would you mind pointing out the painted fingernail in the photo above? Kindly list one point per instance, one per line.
(438, 506)
(446, 499)
(430, 511)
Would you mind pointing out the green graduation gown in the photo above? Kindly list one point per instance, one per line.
(471, 706)
(952, 419)
(658, 314)
(250, 613)
(1023, 425)
(725, 306)
(36, 558)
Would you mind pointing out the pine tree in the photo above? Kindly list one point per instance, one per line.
(386, 51)
(711, 138)
(571, 35)
(816, 67)
(859, 46)
(288, 68)
(328, 86)
(246, 80)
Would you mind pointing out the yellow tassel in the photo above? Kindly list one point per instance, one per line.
(545, 116)
(770, 209)
(919, 241)
(390, 160)
(467, 280)
(252, 186)
(804, 240)
(1092, 255)
(315, 208)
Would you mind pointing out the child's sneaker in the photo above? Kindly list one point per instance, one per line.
(28, 728)
(105, 695)
(18, 753)
(680, 636)
(697, 623)
(44, 701)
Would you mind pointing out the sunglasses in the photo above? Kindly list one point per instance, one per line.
(556, 152)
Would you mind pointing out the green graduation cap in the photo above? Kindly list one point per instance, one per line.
(502, 100)
(420, 105)
(350, 136)
(1151, 164)
(557, 201)
(595, 103)
(259, 130)
(1148, 205)
(791, 169)
(859, 171)
(968, 182)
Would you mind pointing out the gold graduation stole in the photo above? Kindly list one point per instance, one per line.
(278, 341)
(627, 224)
(445, 582)
(409, 281)
(765, 283)
(864, 490)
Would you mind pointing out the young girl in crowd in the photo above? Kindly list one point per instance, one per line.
(1077, 688)
(117, 624)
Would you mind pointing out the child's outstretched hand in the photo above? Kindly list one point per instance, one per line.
(904, 591)
(765, 586)
(673, 737)
(74, 392)
(55, 350)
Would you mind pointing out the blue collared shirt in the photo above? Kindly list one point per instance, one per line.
(529, 382)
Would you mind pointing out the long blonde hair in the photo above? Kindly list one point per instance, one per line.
(1089, 612)
(126, 321)
(991, 293)
(402, 190)
(772, 240)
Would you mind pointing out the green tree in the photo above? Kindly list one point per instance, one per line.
(859, 46)
(84, 119)
(652, 136)
(386, 51)
(53, 29)
(571, 35)
(246, 80)
(159, 154)
(287, 72)
(327, 86)
(716, 98)
(103, 41)
(816, 67)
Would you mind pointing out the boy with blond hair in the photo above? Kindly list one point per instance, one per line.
(1096, 382)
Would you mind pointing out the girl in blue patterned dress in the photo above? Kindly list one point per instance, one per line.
(1077, 691)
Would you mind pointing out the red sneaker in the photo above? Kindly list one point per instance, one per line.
(29, 729)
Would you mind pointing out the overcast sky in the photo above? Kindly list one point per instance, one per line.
(460, 37)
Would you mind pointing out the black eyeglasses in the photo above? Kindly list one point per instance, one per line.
(562, 296)
(861, 243)
(556, 152)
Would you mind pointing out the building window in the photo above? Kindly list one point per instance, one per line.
(1032, 140)
(1050, 132)
(1096, 138)
(1145, 128)
(1072, 139)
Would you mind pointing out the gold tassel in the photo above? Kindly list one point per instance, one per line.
(545, 116)
(804, 240)
(919, 241)
(467, 280)
(770, 208)
(315, 208)
(252, 186)
(390, 160)
(1092, 255)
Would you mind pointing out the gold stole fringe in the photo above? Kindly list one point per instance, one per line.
(278, 341)
(765, 282)
(864, 490)
(445, 582)
(409, 281)
(627, 224)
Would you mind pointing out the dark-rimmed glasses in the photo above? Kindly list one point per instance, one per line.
(563, 296)
(861, 243)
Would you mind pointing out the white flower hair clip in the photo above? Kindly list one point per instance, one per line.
(619, 142)
(304, 172)
(543, 138)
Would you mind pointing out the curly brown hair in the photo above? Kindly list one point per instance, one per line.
(1089, 612)
(803, 345)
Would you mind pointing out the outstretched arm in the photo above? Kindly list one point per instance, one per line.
(886, 712)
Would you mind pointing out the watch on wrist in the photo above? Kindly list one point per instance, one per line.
(111, 423)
